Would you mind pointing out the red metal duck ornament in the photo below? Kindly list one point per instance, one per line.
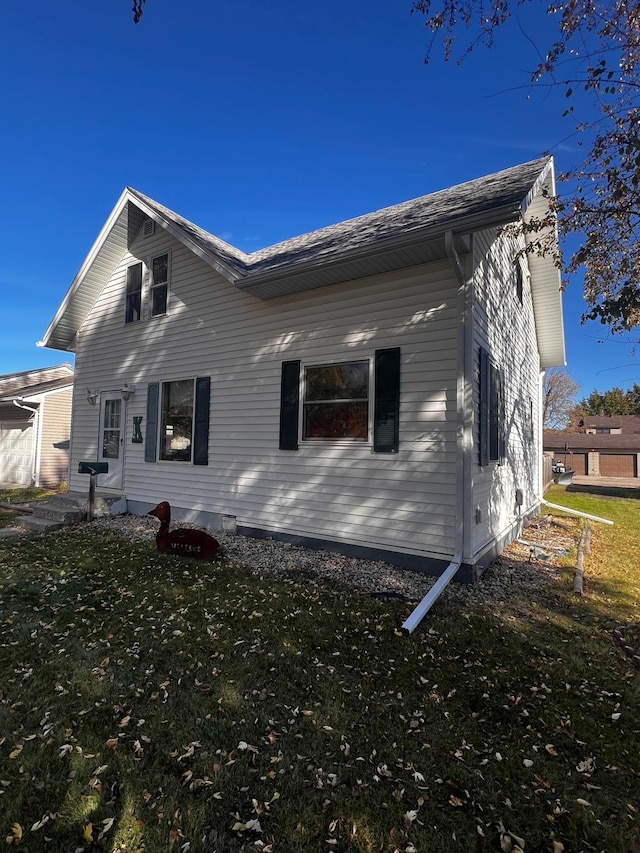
(182, 542)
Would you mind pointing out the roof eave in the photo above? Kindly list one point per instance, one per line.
(256, 283)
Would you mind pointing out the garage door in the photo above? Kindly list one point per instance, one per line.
(578, 461)
(16, 453)
(618, 465)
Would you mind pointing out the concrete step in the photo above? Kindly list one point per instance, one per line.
(38, 525)
(102, 504)
(61, 510)
(67, 514)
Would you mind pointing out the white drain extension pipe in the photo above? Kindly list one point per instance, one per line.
(417, 615)
(577, 513)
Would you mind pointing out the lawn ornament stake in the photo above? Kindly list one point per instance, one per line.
(183, 542)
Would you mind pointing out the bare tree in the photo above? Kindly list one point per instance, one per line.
(558, 398)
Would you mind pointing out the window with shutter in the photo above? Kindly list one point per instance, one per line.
(178, 421)
(336, 402)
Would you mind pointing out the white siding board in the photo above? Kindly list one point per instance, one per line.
(506, 329)
(404, 501)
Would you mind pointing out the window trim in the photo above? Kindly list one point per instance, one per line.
(153, 286)
(337, 440)
(144, 307)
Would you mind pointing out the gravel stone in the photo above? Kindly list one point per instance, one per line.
(518, 570)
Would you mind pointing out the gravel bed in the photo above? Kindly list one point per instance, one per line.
(519, 569)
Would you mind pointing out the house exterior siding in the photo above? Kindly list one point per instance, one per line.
(276, 345)
(340, 491)
(54, 438)
(504, 327)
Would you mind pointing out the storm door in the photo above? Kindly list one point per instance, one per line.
(111, 441)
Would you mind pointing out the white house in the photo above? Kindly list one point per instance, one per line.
(372, 387)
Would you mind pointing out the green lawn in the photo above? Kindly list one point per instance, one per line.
(149, 703)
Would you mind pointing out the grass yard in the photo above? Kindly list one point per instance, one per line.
(148, 703)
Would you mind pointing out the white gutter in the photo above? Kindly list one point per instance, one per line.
(464, 328)
(20, 404)
(577, 513)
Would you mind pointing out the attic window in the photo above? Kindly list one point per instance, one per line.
(148, 228)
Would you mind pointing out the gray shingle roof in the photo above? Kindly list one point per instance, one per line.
(503, 194)
(29, 383)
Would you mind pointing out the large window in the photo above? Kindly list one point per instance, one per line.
(336, 401)
(134, 293)
(176, 423)
(159, 284)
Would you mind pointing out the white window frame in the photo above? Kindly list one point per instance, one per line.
(147, 288)
(153, 286)
(341, 440)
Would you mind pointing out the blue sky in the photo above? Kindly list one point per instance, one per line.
(258, 122)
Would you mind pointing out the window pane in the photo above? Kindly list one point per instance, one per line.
(160, 270)
(349, 381)
(336, 420)
(134, 292)
(112, 414)
(159, 300)
(177, 420)
(110, 443)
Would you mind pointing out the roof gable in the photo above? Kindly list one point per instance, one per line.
(403, 235)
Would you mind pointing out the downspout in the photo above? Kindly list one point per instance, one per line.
(462, 477)
(22, 405)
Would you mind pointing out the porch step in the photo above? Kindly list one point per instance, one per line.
(61, 510)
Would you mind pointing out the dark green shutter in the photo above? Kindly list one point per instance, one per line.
(151, 437)
(201, 421)
(386, 413)
(502, 419)
(289, 405)
(483, 426)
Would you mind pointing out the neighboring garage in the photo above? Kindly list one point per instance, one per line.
(16, 453)
(609, 447)
(578, 462)
(35, 426)
(618, 465)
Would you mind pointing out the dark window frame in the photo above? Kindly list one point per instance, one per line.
(133, 293)
(492, 415)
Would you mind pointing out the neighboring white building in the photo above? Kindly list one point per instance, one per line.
(372, 387)
(35, 425)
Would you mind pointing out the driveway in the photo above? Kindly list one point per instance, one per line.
(607, 482)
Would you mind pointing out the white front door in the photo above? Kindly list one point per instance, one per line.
(111, 440)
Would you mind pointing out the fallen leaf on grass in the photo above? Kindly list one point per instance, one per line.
(16, 834)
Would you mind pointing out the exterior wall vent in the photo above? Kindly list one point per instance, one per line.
(148, 228)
